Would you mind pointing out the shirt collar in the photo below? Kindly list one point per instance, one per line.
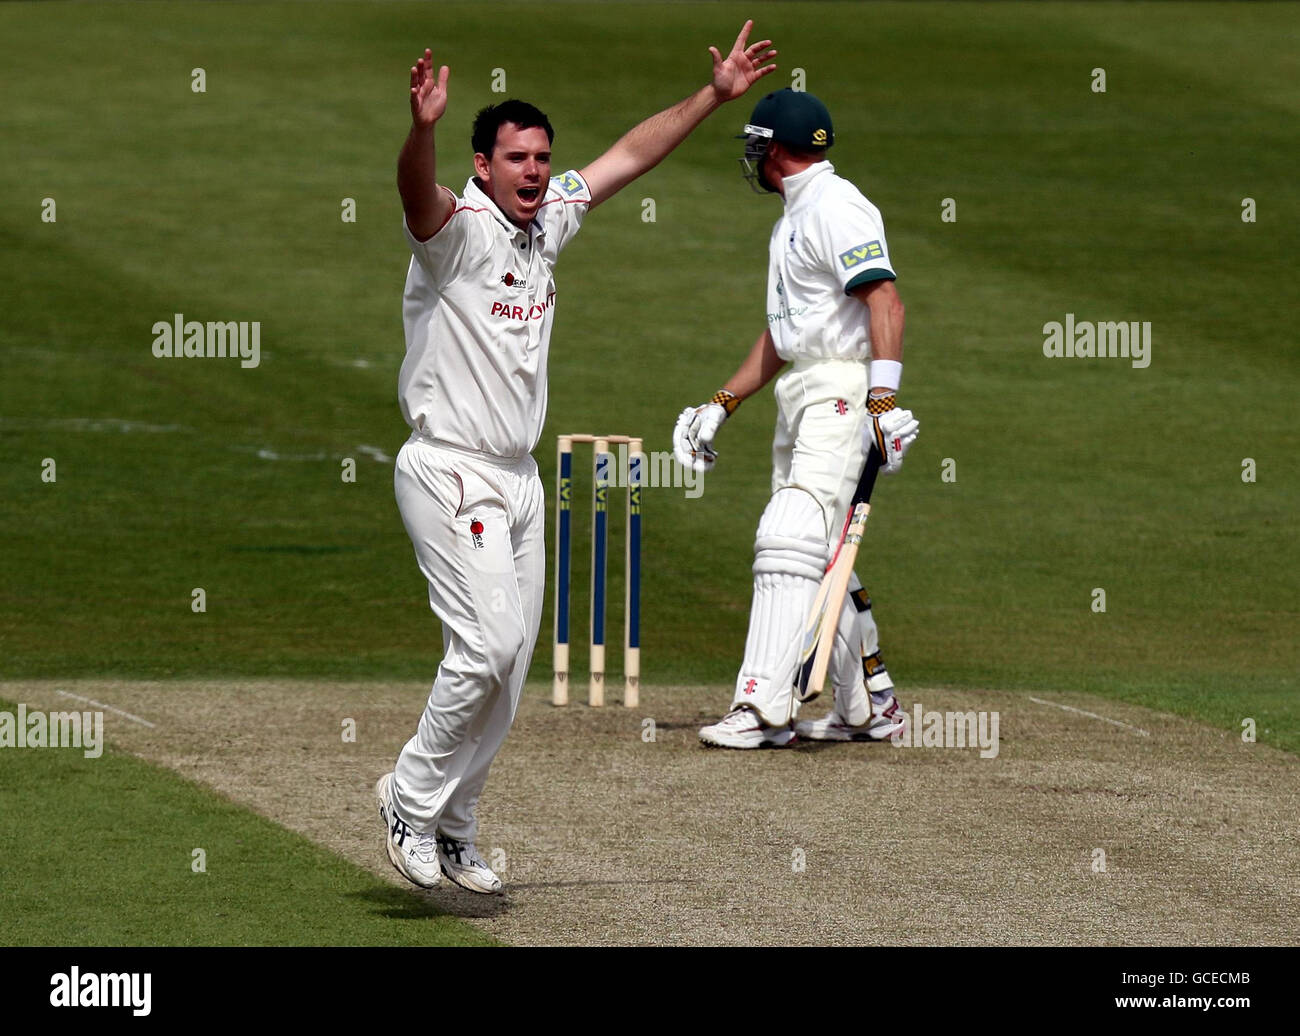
(796, 186)
(475, 195)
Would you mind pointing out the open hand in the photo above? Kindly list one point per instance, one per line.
(428, 97)
(743, 67)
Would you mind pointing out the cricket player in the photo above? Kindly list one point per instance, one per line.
(834, 316)
(478, 308)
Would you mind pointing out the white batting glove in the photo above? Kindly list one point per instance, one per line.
(892, 430)
(696, 427)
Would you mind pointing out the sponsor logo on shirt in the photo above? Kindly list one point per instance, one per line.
(787, 313)
(860, 254)
(476, 531)
(568, 184)
(507, 310)
(511, 281)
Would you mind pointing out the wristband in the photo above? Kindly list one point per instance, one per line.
(880, 401)
(886, 374)
(727, 400)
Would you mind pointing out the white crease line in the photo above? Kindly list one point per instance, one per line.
(1091, 715)
(375, 453)
(92, 424)
(268, 454)
(101, 705)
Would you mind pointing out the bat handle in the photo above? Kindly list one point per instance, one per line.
(862, 495)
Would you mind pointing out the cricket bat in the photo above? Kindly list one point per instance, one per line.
(819, 631)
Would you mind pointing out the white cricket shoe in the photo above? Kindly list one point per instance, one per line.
(742, 727)
(462, 863)
(886, 721)
(413, 854)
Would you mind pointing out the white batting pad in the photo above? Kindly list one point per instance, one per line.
(789, 561)
(791, 536)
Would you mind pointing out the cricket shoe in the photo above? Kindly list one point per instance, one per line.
(742, 727)
(462, 863)
(886, 721)
(415, 855)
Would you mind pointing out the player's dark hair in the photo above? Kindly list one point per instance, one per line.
(491, 118)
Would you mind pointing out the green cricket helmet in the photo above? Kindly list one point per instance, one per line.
(791, 117)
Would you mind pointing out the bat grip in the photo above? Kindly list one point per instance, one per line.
(862, 495)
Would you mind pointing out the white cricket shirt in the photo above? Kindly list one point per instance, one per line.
(829, 241)
(477, 309)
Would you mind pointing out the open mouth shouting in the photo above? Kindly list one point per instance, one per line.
(528, 195)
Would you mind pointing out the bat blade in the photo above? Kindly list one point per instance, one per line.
(812, 635)
(819, 632)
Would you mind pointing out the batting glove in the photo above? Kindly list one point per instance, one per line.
(891, 430)
(696, 427)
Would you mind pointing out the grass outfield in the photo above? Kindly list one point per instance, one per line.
(126, 878)
(1071, 475)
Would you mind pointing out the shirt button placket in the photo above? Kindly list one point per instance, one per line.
(534, 326)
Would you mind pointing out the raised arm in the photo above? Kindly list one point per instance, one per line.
(426, 205)
(645, 145)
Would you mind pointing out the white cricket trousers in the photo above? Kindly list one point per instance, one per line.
(478, 525)
(821, 411)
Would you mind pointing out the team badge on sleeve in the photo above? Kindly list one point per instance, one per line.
(568, 184)
(860, 254)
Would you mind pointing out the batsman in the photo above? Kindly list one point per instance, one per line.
(835, 325)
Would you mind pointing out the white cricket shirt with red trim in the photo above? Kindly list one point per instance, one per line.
(829, 241)
(478, 308)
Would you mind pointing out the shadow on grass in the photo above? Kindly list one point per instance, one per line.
(444, 901)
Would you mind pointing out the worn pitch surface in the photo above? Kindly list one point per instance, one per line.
(609, 838)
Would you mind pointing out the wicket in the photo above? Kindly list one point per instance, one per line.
(602, 461)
